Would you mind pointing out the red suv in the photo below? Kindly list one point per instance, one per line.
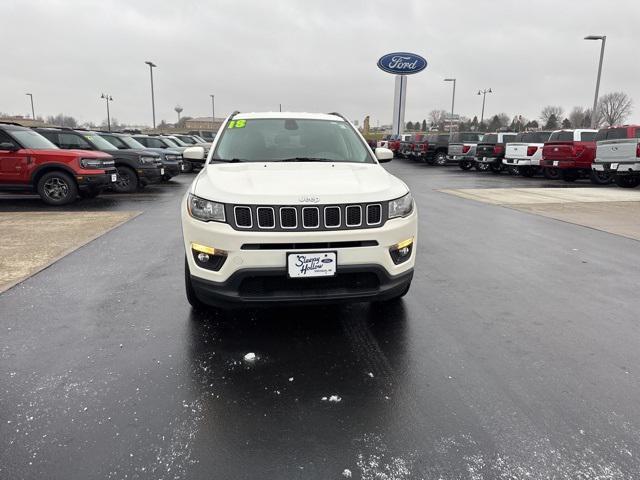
(30, 162)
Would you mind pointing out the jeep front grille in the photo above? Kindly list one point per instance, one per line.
(306, 218)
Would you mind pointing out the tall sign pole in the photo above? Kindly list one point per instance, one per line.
(401, 64)
(399, 101)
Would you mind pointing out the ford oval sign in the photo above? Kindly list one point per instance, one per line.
(402, 63)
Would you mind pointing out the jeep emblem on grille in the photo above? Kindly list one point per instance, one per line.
(309, 199)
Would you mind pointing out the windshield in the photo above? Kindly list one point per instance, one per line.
(177, 141)
(278, 139)
(186, 139)
(490, 138)
(132, 142)
(31, 139)
(115, 141)
(170, 142)
(535, 137)
(99, 142)
(561, 136)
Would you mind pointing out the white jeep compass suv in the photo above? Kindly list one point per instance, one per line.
(294, 208)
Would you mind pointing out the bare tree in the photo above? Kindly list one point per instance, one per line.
(614, 107)
(549, 110)
(576, 117)
(436, 117)
(62, 120)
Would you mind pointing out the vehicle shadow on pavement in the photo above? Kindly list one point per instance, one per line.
(321, 378)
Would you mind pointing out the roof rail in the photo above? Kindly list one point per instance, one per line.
(12, 123)
(338, 115)
(235, 112)
(55, 127)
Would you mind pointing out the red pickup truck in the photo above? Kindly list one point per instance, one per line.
(30, 162)
(572, 153)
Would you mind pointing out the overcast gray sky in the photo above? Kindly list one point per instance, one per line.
(311, 56)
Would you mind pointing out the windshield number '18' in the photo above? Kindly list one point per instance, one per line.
(237, 124)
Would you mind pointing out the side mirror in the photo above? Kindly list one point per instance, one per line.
(384, 154)
(193, 153)
(12, 147)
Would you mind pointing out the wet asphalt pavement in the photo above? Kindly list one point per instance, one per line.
(514, 356)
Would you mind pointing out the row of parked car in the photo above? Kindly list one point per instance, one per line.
(62, 164)
(607, 155)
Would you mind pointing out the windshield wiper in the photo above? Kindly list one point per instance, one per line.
(305, 159)
(229, 160)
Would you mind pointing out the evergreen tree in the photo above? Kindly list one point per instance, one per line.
(424, 125)
(409, 126)
(494, 124)
(566, 123)
(552, 122)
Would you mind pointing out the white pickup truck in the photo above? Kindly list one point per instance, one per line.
(618, 152)
(523, 155)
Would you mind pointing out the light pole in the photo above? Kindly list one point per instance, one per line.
(595, 98)
(213, 110)
(484, 95)
(33, 112)
(153, 102)
(453, 100)
(107, 98)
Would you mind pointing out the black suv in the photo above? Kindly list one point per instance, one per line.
(437, 148)
(155, 141)
(171, 158)
(136, 167)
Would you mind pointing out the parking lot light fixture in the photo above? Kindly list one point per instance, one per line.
(153, 102)
(107, 98)
(595, 98)
(33, 112)
(213, 110)
(484, 96)
(453, 100)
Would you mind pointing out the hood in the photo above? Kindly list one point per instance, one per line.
(295, 183)
(166, 151)
(134, 153)
(64, 153)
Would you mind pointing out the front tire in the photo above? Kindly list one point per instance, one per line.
(482, 167)
(551, 173)
(528, 171)
(127, 180)
(57, 188)
(600, 178)
(465, 165)
(496, 167)
(192, 296)
(441, 159)
(627, 181)
(513, 171)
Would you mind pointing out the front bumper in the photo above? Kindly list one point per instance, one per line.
(620, 168)
(97, 181)
(268, 287)
(243, 256)
(151, 174)
(172, 169)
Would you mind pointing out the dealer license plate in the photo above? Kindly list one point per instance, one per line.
(311, 264)
(114, 177)
(162, 171)
(614, 166)
(555, 163)
(182, 166)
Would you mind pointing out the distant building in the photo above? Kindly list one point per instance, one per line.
(24, 121)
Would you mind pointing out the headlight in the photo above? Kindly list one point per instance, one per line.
(148, 160)
(205, 210)
(96, 163)
(401, 207)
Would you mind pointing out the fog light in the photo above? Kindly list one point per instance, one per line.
(401, 252)
(208, 257)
